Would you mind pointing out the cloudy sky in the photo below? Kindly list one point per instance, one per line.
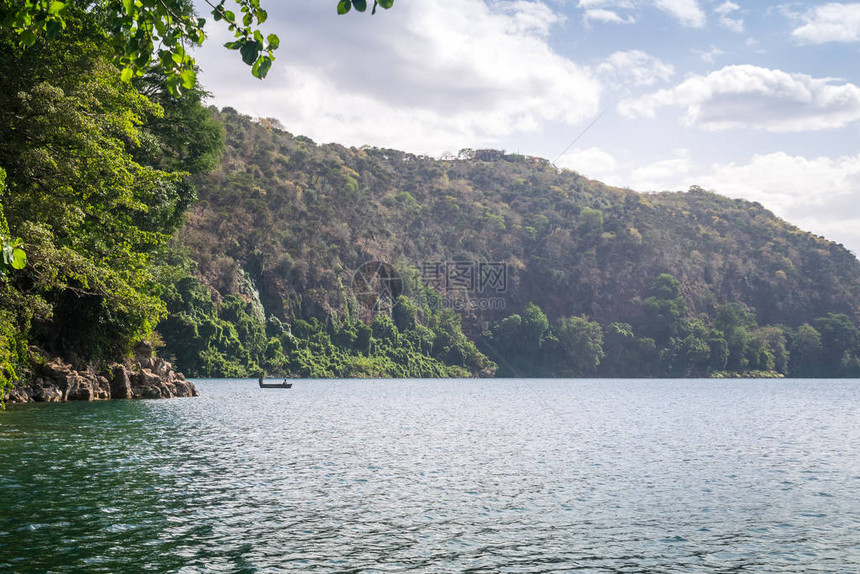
(752, 100)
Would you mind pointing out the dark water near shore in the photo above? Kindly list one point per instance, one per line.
(439, 476)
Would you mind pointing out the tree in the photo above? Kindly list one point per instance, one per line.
(581, 342)
(689, 354)
(534, 328)
(518, 343)
(404, 314)
(12, 340)
(625, 355)
(93, 188)
(736, 322)
(147, 32)
(619, 347)
(501, 343)
(769, 351)
(805, 352)
(74, 192)
(840, 340)
(719, 351)
(664, 309)
(12, 254)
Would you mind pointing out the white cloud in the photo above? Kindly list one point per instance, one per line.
(444, 74)
(726, 21)
(793, 183)
(608, 16)
(711, 55)
(530, 17)
(634, 67)
(726, 8)
(688, 12)
(607, 11)
(591, 162)
(621, 4)
(818, 194)
(833, 22)
(663, 174)
(756, 98)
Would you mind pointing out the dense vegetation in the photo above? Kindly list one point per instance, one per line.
(96, 181)
(600, 280)
(237, 337)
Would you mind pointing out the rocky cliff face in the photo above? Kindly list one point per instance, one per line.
(51, 379)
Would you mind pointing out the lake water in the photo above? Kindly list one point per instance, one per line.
(439, 476)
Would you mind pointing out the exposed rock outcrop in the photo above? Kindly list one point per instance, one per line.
(50, 379)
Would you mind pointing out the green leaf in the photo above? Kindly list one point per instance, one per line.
(273, 41)
(250, 52)
(53, 28)
(56, 7)
(173, 86)
(261, 67)
(360, 5)
(166, 58)
(126, 74)
(343, 6)
(19, 258)
(28, 38)
(386, 3)
(160, 27)
(188, 78)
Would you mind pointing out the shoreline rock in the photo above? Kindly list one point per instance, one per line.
(51, 379)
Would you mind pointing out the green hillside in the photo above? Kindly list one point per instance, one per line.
(597, 280)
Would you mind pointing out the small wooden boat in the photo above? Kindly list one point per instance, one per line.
(284, 385)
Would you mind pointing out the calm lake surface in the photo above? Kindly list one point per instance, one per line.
(439, 476)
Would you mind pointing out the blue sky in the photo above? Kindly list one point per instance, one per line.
(752, 100)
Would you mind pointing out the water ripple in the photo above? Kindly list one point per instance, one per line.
(452, 476)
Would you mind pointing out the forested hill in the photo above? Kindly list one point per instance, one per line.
(286, 222)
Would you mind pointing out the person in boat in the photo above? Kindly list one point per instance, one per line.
(261, 382)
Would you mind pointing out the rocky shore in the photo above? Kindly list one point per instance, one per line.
(51, 379)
